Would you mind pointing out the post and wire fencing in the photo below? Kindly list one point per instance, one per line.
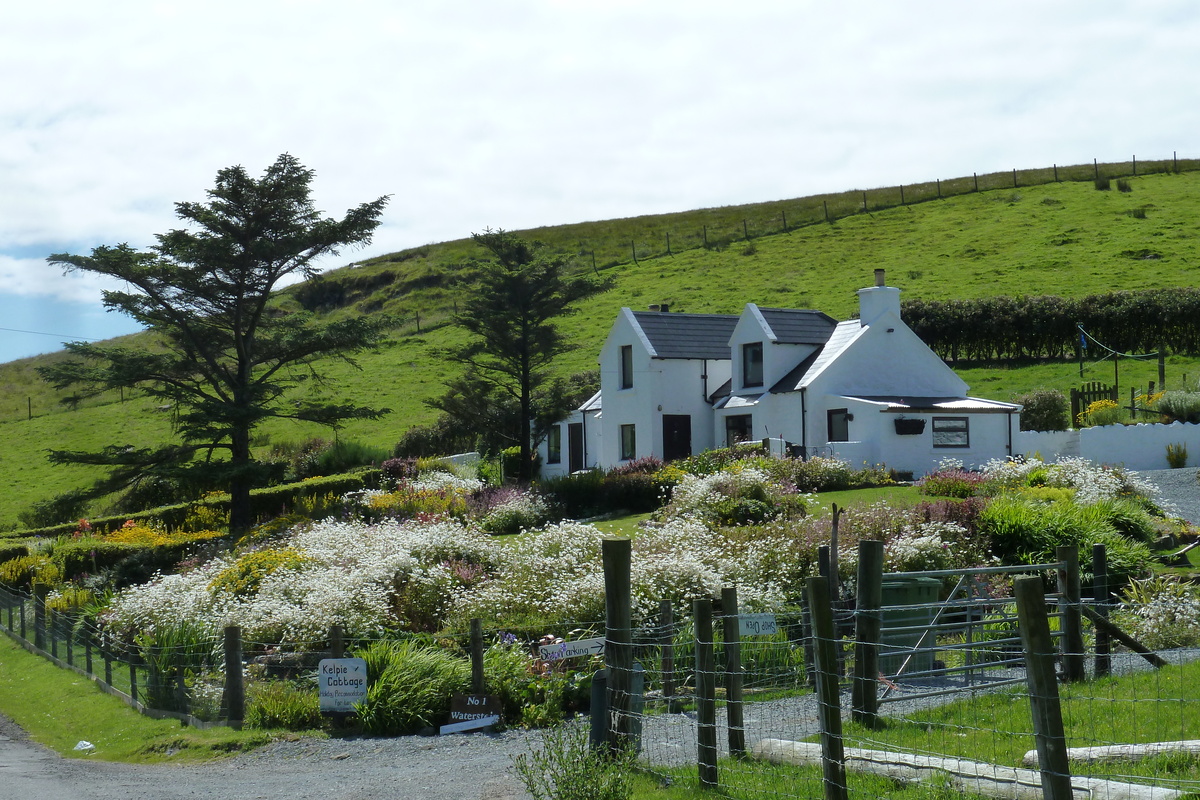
(1002, 682)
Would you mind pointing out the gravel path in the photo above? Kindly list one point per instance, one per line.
(459, 767)
(1180, 488)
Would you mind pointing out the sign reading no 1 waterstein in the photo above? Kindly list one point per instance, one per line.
(470, 712)
(341, 682)
(757, 624)
(561, 650)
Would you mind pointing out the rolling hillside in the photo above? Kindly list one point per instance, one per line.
(1063, 238)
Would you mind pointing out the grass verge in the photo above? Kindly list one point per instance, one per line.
(59, 708)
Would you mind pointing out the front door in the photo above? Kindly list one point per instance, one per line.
(677, 436)
(575, 446)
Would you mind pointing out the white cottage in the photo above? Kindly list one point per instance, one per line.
(867, 390)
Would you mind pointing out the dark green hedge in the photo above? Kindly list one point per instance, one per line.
(268, 503)
(1044, 326)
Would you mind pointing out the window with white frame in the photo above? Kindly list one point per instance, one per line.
(951, 432)
(628, 442)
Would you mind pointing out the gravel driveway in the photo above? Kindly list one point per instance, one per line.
(459, 767)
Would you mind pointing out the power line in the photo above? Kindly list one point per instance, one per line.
(59, 335)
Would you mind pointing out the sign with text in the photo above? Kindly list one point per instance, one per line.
(561, 650)
(757, 624)
(341, 682)
(470, 712)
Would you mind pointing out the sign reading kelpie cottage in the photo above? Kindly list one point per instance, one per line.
(470, 712)
(341, 682)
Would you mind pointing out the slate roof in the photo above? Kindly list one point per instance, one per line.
(798, 326)
(687, 335)
(938, 404)
(840, 337)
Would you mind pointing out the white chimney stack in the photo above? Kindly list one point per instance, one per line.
(877, 300)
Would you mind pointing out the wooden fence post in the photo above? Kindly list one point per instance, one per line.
(666, 627)
(1100, 600)
(864, 694)
(1043, 689)
(40, 590)
(616, 555)
(52, 629)
(706, 694)
(337, 642)
(477, 676)
(829, 711)
(235, 693)
(1072, 617)
(732, 634)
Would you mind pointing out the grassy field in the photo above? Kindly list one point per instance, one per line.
(1053, 238)
(59, 708)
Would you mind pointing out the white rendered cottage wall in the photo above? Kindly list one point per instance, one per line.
(660, 386)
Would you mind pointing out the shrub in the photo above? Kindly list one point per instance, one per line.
(398, 469)
(1044, 410)
(1177, 456)
(1123, 186)
(951, 483)
(521, 512)
(245, 576)
(23, 572)
(567, 768)
(282, 704)
(1025, 532)
(1179, 406)
(1162, 612)
(1101, 412)
(578, 495)
(347, 454)
(531, 693)
(409, 686)
(440, 438)
(1103, 184)
(636, 492)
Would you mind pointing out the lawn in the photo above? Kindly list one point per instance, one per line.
(59, 708)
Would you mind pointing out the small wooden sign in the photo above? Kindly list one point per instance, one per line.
(757, 624)
(561, 650)
(470, 712)
(341, 682)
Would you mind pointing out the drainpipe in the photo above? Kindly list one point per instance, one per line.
(583, 433)
(704, 378)
(1010, 437)
(803, 423)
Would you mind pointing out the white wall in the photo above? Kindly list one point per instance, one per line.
(660, 386)
(1141, 446)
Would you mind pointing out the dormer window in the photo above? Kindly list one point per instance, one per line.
(752, 364)
(627, 366)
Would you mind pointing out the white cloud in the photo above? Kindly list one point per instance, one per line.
(533, 113)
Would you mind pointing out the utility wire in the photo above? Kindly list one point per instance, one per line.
(1103, 346)
(59, 335)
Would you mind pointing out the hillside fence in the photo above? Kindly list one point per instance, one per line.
(659, 237)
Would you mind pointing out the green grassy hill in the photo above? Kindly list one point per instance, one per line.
(1041, 237)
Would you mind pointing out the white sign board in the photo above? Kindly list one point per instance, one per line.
(757, 624)
(561, 650)
(341, 682)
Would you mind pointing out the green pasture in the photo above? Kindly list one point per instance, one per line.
(1063, 238)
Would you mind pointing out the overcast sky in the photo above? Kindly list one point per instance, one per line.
(518, 114)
